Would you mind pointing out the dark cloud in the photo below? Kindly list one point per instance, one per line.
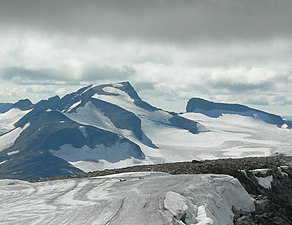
(21, 75)
(106, 73)
(239, 87)
(187, 21)
(27, 76)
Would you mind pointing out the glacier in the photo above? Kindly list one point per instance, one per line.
(142, 198)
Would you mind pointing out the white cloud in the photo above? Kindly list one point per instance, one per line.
(186, 50)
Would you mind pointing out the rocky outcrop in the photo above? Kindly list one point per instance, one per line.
(272, 191)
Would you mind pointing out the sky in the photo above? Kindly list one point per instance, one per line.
(235, 51)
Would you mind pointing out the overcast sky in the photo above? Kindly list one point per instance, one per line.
(222, 50)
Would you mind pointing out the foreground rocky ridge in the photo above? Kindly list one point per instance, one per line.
(267, 179)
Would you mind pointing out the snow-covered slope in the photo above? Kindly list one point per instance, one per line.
(239, 136)
(110, 126)
(96, 127)
(132, 198)
(213, 109)
(9, 118)
(11, 113)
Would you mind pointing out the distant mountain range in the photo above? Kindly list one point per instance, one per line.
(109, 126)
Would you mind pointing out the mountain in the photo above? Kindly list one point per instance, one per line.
(93, 128)
(109, 126)
(213, 109)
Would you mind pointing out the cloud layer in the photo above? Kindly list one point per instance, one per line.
(235, 51)
(156, 20)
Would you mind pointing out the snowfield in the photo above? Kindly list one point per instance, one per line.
(153, 135)
(129, 199)
(237, 136)
(8, 139)
(9, 118)
(227, 136)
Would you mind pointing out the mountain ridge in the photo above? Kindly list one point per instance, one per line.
(110, 126)
(214, 109)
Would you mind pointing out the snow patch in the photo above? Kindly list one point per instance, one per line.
(7, 140)
(265, 182)
(12, 153)
(3, 162)
(202, 218)
(117, 85)
(284, 126)
(74, 106)
(88, 159)
(90, 115)
(116, 91)
(9, 118)
(82, 129)
(262, 171)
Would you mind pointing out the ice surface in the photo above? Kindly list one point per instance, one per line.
(241, 136)
(124, 199)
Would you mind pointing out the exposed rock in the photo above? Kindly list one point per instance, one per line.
(274, 201)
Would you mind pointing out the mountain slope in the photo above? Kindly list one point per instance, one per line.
(10, 113)
(45, 137)
(212, 109)
(110, 126)
(93, 128)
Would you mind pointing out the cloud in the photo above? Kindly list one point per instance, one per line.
(107, 73)
(27, 76)
(22, 75)
(224, 50)
(189, 21)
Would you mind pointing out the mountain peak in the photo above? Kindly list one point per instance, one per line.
(23, 104)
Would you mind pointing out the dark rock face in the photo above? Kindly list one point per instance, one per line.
(183, 123)
(273, 199)
(24, 104)
(213, 109)
(4, 107)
